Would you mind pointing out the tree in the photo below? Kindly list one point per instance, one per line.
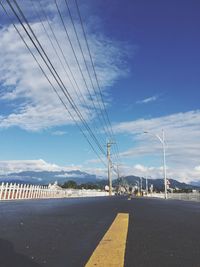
(70, 184)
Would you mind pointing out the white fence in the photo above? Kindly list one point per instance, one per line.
(24, 191)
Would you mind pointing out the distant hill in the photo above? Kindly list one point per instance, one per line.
(46, 177)
(196, 183)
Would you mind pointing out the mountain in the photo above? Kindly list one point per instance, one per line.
(46, 177)
(196, 183)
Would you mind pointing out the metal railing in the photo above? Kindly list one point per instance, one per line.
(185, 196)
(180, 196)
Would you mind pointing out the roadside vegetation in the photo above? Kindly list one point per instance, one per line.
(72, 184)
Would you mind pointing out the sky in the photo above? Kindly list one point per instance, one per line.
(146, 56)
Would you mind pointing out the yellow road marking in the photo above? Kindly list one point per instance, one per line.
(111, 249)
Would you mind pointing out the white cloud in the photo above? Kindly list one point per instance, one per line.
(59, 133)
(148, 100)
(27, 165)
(31, 102)
(182, 131)
(69, 175)
(11, 166)
(197, 168)
(143, 171)
(185, 175)
(99, 172)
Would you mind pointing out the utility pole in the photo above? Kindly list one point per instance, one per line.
(140, 185)
(109, 167)
(146, 185)
(164, 163)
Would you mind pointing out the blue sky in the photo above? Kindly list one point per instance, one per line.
(147, 58)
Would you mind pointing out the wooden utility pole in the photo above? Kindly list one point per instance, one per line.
(109, 167)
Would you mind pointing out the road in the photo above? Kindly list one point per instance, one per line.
(65, 232)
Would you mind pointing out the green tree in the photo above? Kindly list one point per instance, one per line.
(70, 184)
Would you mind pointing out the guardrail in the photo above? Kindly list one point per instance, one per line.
(26, 191)
(185, 196)
(180, 196)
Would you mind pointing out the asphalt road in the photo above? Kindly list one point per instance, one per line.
(65, 232)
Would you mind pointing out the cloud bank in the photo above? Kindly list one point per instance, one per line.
(11, 166)
(182, 143)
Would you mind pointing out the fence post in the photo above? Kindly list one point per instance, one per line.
(17, 192)
(9, 190)
(22, 191)
(37, 191)
(46, 192)
(34, 191)
(31, 192)
(40, 191)
(13, 191)
(27, 191)
(1, 190)
(5, 191)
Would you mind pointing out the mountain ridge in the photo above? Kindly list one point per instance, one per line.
(46, 177)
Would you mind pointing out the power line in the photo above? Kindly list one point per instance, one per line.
(63, 88)
(49, 38)
(61, 50)
(74, 53)
(75, 56)
(84, 59)
(81, 99)
(106, 127)
(86, 66)
(55, 75)
(95, 74)
(53, 87)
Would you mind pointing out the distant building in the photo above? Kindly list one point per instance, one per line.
(54, 186)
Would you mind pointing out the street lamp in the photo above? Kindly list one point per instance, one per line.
(162, 140)
(146, 185)
(140, 185)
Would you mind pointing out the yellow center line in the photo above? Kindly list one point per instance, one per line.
(111, 249)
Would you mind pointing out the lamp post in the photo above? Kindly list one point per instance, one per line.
(146, 185)
(140, 186)
(162, 140)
